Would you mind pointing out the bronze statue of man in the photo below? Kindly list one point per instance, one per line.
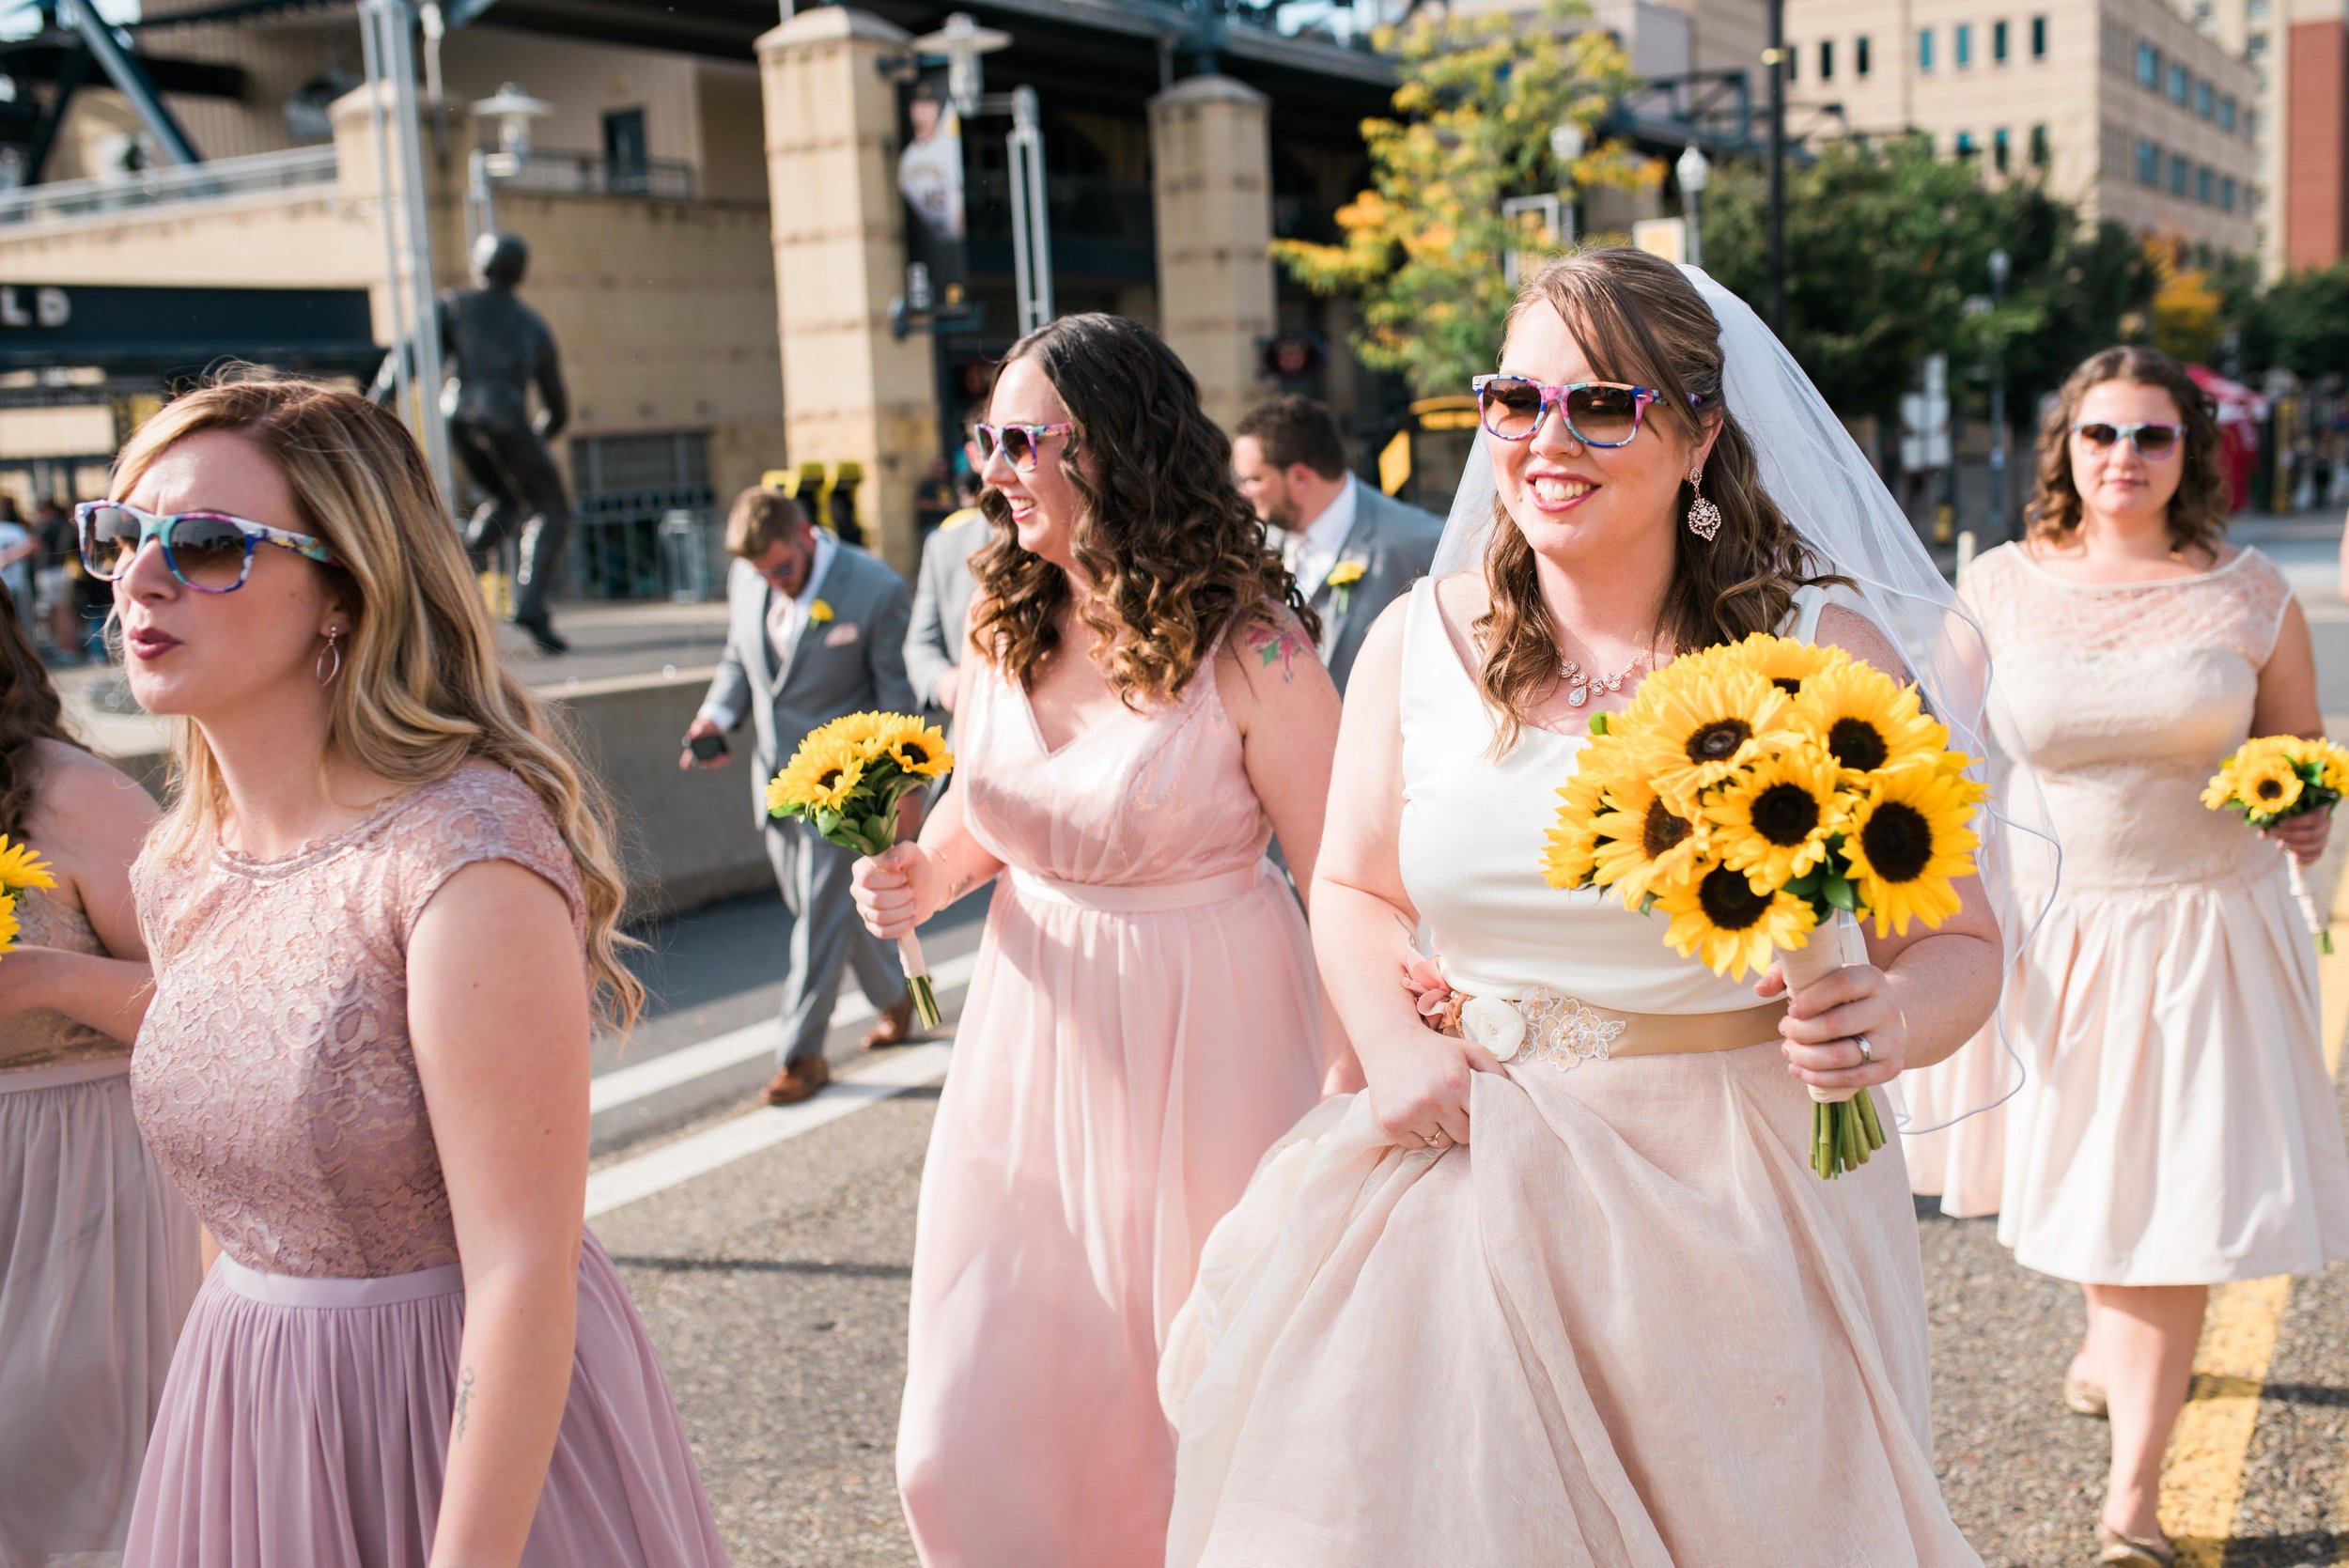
(496, 349)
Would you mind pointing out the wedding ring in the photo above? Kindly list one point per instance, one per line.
(1435, 1139)
(1867, 1052)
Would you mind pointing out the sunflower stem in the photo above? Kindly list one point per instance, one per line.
(1865, 1100)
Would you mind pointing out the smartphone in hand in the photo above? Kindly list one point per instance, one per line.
(706, 748)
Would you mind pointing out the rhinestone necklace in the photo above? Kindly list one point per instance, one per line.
(1580, 688)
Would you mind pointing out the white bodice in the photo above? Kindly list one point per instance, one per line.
(1473, 837)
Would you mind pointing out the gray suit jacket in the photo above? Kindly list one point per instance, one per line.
(942, 602)
(1395, 545)
(853, 662)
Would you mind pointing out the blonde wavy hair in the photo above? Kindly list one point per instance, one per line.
(422, 690)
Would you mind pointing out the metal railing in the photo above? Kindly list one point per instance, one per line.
(585, 174)
(303, 168)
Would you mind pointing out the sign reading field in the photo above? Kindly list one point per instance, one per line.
(159, 332)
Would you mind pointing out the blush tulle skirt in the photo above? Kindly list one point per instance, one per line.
(307, 1423)
(98, 1263)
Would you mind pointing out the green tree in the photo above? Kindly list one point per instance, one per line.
(1423, 247)
(2301, 324)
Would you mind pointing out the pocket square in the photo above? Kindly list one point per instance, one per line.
(840, 636)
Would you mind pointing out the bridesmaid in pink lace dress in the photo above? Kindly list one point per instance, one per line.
(381, 912)
(1144, 708)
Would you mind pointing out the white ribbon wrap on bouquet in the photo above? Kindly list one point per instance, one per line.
(1833, 946)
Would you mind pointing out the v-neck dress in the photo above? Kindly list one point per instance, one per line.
(1141, 1024)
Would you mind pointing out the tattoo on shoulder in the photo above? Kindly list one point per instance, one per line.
(1277, 643)
(464, 1400)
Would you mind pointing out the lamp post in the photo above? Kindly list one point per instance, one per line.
(1774, 54)
(962, 42)
(511, 111)
(2001, 265)
(388, 49)
(1567, 140)
(1695, 171)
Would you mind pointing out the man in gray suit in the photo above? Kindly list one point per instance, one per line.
(1351, 548)
(814, 629)
(942, 601)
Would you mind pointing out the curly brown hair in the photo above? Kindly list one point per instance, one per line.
(2197, 513)
(1174, 554)
(1641, 321)
(30, 713)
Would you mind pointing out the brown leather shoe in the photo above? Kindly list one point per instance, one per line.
(797, 1080)
(894, 1028)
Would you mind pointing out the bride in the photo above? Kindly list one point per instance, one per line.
(1598, 1312)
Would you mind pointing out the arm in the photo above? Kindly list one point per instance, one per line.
(1364, 927)
(101, 819)
(1920, 996)
(885, 649)
(927, 658)
(728, 700)
(897, 892)
(498, 1015)
(554, 410)
(2287, 704)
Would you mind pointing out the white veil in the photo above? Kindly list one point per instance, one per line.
(1830, 493)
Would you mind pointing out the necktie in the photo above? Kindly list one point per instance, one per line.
(782, 613)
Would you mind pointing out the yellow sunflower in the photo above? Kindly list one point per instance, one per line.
(917, 748)
(1571, 848)
(1720, 921)
(8, 921)
(2267, 783)
(1908, 841)
(2332, 764)
(1704, 729)
(1867, 721)
(1645, 846)
(1786, 663)
(1774, 823)
(823, 775)
(21, 867)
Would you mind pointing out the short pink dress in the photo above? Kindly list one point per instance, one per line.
(1141, 1024)
(305, 1421)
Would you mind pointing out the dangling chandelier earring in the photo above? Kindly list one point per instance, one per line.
(1704, 519)
(327, 673)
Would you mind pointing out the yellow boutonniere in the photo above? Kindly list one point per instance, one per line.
(1346, 572)
(820, 613)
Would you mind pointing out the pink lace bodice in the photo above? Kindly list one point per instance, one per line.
(1141, 798)
(42, 1039)
(2127, 696)
(273, 1077)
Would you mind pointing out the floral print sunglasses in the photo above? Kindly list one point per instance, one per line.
(208, 551)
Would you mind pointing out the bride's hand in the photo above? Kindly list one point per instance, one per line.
(897, 891)
(1419, 1085)
(1820, 1035)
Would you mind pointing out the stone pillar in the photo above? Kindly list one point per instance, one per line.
(849, 389)
(1212, 180)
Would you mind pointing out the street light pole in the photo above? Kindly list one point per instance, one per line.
(1775, 57)
(2000, 266)
(406, 216)
(1696, 172)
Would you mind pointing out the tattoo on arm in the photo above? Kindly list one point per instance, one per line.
(464, 1399)
(1279, 642)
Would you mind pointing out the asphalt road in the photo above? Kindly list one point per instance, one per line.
(769, 1253)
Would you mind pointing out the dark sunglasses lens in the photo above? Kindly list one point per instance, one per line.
(2154, 441)
(2099, 436)
(206, 553)
(1019, 446)
(1512, 408)
(1603, 415)
(110, 537)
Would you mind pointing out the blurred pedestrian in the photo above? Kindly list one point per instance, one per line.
(18, 547)
(942, 599)
(98, 1251)
(816, 628)
(1140, 708)
(383, 912)
(1351, 548)
(52, 580)
(2178, 1128)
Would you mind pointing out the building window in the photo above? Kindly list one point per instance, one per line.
(2179, 77)
(1961, 48)
(2226, 113)
(1792, 53)
(2206, 102)
(2255, 10)
(1924, 49)
(1827, 60)
(2148, 164)
(1859, 55)
(1964, 145)
(2149, 67)
(1997, 42)
(2177, 175)
(2203, 185)
(2038, 147)
(1998, 153)
(2038, 38)
(2226, 194)
(2255, 47)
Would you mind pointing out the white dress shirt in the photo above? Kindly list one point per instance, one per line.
(1313, 552)
(788, 614)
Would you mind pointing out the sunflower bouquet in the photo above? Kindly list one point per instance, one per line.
(19, 868)
(1766, 796)
(846, 780)
(2280, 776)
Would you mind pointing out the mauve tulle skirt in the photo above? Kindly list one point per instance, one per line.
(98, 1263)
(305, 1425)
